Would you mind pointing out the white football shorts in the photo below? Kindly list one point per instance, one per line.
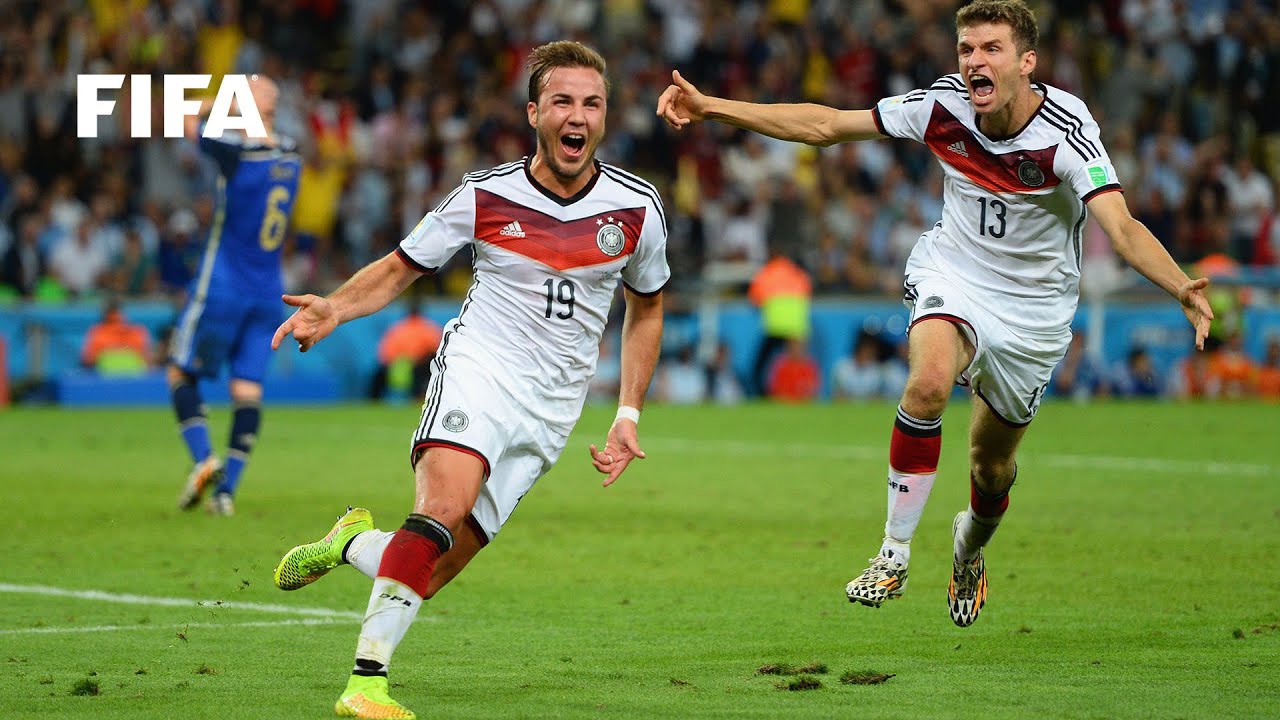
(468, 410)
(1011, 365)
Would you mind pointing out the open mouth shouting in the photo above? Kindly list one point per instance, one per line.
(982, 88)
(573, 144)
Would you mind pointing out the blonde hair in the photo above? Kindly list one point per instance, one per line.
(561, 54)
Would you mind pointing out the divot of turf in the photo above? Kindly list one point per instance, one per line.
(865, 677)
(815, 668)
(86, 686)
(804, 682)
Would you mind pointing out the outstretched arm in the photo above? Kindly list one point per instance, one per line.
(366, 292)
(641, 343)
(1135, 243)
(681, 104)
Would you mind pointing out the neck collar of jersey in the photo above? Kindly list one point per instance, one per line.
(564, 201)
(1044, 94)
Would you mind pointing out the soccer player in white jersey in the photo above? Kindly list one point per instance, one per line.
(991, 288)
(552, 235)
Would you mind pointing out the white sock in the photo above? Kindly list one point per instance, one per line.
(907, 497)
(365, 551)
(392, 607)
(974, 533)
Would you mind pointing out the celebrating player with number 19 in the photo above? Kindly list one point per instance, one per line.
(552, 236)
(993, 287)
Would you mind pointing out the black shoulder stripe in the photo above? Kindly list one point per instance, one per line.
(498, 171)
(482, 174)
(1074, 125)
(630, 175)
(649, 192)
(451, 196)
(1069, 136)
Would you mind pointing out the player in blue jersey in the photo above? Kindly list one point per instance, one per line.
(233, 304)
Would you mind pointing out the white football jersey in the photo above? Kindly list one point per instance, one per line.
(546, 268)
(1013, 208)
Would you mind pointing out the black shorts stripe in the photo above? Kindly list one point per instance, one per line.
(441, 361)
(420, 446)
(996, 412)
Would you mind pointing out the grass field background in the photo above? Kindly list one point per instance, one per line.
(1136, 576)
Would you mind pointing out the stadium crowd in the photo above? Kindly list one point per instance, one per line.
(392, 101)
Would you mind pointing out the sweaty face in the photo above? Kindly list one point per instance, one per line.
(569, 120)
(991, 66)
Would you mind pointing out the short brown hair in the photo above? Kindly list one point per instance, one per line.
(561, 54)
(1014, 13)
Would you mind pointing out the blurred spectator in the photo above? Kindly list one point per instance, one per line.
(605, 384)
(723, 387)
(859, 375)
(794, 376)
(116, 347)
(133, 271)
(1190, 376)
(1137, 376)
(405, 353)
(1078, 375)
(1250, 200)
(781, 289)
(1230, 372)
(23, 264)
(1268, 378)
(680, 380)
(179, 252)
(80, 261)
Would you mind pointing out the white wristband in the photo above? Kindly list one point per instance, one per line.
(628, 412)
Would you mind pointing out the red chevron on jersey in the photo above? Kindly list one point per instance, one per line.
(557, 244)
(1020, 171)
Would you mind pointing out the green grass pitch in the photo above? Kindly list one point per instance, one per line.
(1136, 576)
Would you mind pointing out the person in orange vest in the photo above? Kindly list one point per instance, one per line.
(115, 346)
(405, 353)
(781, 289)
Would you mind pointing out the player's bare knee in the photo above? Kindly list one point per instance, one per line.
(177, 376)
(245, 391)
(447, 512)
(926, 395)
(993, 476)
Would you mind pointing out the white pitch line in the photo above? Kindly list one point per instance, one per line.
(864, 452)
(166, 628)
(128, 599)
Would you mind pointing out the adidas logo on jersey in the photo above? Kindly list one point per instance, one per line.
(512, 229)
(958, 148)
